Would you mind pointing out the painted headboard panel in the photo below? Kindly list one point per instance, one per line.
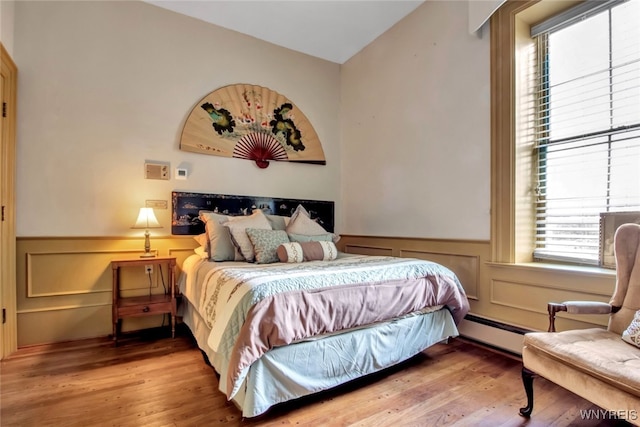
(186, 207)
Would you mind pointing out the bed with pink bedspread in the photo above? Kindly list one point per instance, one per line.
(280, 331)
(281, 314)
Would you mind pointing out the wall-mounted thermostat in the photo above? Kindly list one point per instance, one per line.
(156, 171)
(181, 173)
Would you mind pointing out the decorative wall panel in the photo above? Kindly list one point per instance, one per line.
(48, 273)
(466, 267)
(368, 250)
(534, 298)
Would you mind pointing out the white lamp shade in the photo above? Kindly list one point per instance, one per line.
(146, 219)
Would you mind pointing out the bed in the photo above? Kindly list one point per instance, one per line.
(301, 317)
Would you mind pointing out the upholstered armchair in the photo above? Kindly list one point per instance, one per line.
(600, 365)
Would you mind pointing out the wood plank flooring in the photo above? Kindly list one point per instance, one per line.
(154, 381)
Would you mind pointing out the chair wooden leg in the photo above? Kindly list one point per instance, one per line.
(527, 381)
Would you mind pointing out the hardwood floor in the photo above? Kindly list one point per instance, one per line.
(152, 381)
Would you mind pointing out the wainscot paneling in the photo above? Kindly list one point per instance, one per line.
(501, 293)
(534, 298)
(519, 293)
(64, 284)
(63, 324)
(367, 250)
(466, 267)
(464, 257)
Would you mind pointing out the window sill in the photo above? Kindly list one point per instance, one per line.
(585, 270)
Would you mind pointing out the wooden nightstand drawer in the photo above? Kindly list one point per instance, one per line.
(145, 306)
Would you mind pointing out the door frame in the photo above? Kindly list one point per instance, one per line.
(8, 325)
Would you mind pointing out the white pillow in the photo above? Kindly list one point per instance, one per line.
(202, 252)
(237, 226)
(202, 239)
(632, 333)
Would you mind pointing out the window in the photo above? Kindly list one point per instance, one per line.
(587, 126)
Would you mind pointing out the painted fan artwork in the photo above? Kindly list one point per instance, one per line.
(251, 122)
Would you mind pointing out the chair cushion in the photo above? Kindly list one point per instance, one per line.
(596, 352)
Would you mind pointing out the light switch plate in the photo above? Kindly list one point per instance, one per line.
(156, 204)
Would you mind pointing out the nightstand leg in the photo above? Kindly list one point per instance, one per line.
(173, 325)
(117, 326)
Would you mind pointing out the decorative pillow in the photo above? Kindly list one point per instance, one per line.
(301, 223)
(278, 222)
(326, 237)
(632, 333)
(201, 239)
(237, 226)
(201, 251)
(219, 245)
(265, 243)
(307, 251)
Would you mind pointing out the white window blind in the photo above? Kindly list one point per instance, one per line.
(587, 127)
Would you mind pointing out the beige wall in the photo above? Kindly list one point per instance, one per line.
(416, 176)
(415, 130)
(106, 85)
(7, 8)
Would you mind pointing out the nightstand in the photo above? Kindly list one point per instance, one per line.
(146, 305)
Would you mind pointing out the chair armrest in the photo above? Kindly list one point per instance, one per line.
(587, 307)
(577, 307)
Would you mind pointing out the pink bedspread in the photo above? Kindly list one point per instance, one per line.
(286, 317)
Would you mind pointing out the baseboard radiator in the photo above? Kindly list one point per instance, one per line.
(493, 333)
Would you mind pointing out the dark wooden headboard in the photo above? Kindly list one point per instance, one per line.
(186, 207)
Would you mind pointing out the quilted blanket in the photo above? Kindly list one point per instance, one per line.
(252, 308)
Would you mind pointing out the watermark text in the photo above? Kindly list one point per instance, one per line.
(602, 414)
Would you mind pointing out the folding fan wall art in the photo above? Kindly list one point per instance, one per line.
(251, 122)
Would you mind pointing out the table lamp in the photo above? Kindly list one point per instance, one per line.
(146, 220)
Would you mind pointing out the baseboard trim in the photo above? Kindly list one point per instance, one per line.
(496, 324)
(501, 336)
(492, 348)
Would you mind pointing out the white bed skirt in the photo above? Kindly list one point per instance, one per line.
(296, 370)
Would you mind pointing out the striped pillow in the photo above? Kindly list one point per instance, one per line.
(307, 251)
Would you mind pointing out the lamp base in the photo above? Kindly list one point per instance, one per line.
(148, 255)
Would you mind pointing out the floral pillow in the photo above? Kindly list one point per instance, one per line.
(265, 243)
(632, 333)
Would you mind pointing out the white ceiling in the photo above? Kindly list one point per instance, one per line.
(334, 30)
